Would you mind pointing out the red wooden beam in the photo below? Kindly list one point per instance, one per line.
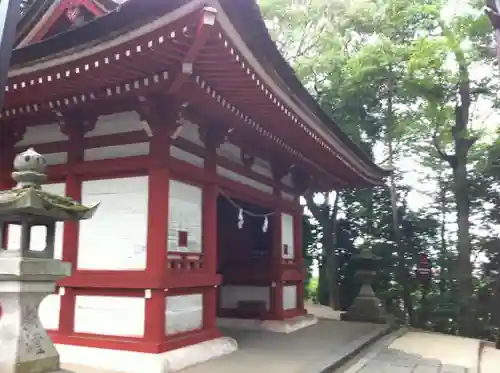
(207, 20)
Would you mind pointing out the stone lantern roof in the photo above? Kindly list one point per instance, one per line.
(27, 200)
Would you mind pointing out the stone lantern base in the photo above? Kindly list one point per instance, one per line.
(366, 307)
(24, 283)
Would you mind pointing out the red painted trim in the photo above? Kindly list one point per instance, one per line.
(71, 228)
(157, 244)
(136, 280)
(135, 137)
(276, 302)
(188, 290)
(276, 296)
(210, 194)
(134, 344)
(108, 292)
(199, 40)
(191, 281)
(138, 165)
(58, 12)
(139, 292)
(158, 205)
(210, 308)
(288, 314)
(209, 211)
(154, 317)
(292, 273)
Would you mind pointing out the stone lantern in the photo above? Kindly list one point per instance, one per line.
(366, 306)
(28, 276)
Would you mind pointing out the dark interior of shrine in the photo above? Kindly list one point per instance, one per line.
(243, 253)
(241, 246)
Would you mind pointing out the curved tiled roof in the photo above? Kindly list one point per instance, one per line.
(246, 18)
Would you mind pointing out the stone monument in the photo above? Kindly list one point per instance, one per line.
(28, 276)
(366, 306)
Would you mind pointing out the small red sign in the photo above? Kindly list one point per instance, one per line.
(182, 239)
(424, 269)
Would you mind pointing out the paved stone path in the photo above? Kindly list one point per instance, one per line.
(310, 350)
(395, 361)
(414, 352)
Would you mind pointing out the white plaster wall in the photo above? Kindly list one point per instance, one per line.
(41, 135)
(189, 132)
(116, 151)
(115, 238)
(230, 151)
(262, 167)
(124, 122)
(56, 158)
(185, 214)
(230, 295)
(106, 315)
(289, 297)
(183, 313)
(49, 311)
(244, 180)
(39, 234)
(287, 236)
(185, 156)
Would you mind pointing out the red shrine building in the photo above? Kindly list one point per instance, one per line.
(184, 121)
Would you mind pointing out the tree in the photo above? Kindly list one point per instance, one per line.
(442, 70)
(406, 84)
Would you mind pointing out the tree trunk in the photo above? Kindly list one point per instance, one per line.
(443, 252)
(328, 282)
(331, 264)
(403, 274)
(461, 192)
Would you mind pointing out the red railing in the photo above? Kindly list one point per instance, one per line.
(179, 261)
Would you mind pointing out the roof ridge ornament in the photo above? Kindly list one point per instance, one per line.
(30, 169)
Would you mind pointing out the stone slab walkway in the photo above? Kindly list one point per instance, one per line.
(310, 350)
(419, 352)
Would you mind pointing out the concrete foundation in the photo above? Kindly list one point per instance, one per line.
(285, 326)
(138, 362)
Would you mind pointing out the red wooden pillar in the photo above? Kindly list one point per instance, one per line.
(74, 125)
(156, 262)
(299, 260)
(161, 117)
(212, 139)
(276, 306)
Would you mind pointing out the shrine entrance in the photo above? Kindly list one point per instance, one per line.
(244, 259)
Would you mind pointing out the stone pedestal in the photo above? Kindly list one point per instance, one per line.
(26, 275)
(25, 346)
(366, 307)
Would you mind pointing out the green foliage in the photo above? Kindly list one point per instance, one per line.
(437, 71)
